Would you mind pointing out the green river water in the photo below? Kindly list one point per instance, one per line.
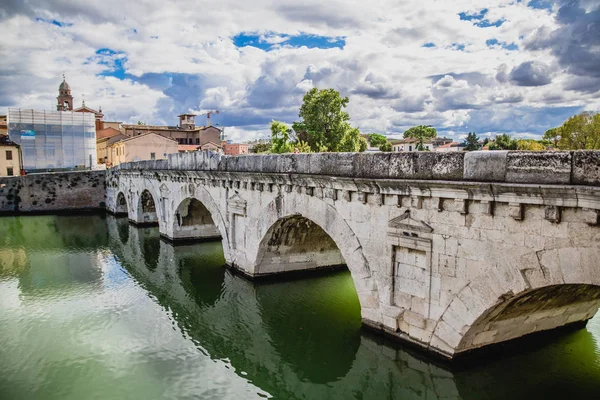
(94, 308)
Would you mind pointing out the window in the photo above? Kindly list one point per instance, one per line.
(153, 156)
(9, 171)
(409, 148)
(197, 140)
(9, 154)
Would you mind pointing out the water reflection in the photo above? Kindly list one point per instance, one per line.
(294, 340)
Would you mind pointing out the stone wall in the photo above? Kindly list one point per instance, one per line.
(50, 192)
(561, 167)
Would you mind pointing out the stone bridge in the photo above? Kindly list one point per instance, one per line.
(451, 252)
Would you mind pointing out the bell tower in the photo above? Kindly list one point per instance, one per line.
(65, 100)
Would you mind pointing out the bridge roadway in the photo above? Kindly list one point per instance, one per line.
(451, 252)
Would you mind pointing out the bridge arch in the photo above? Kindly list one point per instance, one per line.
(121, 206)
(194, 221)
(147, 209)
(561, 289)
(205, 221)
(312, 215)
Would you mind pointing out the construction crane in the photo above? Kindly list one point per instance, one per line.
(208, 123)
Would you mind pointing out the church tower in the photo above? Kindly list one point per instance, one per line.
(65, 100)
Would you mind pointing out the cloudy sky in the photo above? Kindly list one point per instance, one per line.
(493, 66)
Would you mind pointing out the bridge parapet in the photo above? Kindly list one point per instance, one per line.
(564, 167)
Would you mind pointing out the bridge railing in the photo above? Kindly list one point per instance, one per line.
(560, 167)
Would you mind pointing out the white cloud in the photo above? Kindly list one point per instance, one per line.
(179, 57)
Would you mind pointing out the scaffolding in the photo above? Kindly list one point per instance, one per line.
(53, 140)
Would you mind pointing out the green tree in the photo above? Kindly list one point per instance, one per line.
(376, 139)
(387, 146)
(262, 147)
(472, 142)
(280, 138)
(580, 132)
(529, 144)
(141, 123)
(324, 124)
(351, 141)
(553, 136)
(422, 133)
(503, 142)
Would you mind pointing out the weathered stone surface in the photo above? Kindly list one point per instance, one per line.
(586, 167)
(439, 166)
(538, 167)
(485, 166)
(53, 192)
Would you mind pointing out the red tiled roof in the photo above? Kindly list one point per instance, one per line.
(108, 132)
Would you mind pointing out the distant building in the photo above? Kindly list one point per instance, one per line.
(450, 147)
(235, 149)
(149, 146)
(53, 140)
(10, 157)
(410, 144)
(187, 133)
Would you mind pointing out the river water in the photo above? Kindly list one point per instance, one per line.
(94, 308)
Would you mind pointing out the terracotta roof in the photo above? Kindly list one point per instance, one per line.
(128, 138)
(187, 147)
(407, 140)
(449, 145)
(115, 139)
(108, 132)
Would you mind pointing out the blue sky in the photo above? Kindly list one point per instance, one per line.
(497, 66)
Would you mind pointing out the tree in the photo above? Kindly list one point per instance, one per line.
(280, 138)
(580, 132)
(421, 133)
(141, 123)
(376, 139)
(553, 136)
(350, 141)
(324, 124)
(531, 145)
(262, 147)
(387, 146)
(472, 142)
(503, 142)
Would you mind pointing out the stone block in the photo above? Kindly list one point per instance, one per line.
(586, 167)
(485, 166)
(372, 165)
(442, 166)
(414, 319)
(538, 167)
(334, 164)
(402, 165)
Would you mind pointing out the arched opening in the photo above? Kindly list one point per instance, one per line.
(534, 311)
(193, 221)
(296, 243)
(121, 206)
(147, 210)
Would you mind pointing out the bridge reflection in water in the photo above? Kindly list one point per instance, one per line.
(302, 338)
(297, 339)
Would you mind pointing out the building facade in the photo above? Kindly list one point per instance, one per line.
(53, 140)
(149, 146)
(186, 133)
(10, 157)
(235, 149)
